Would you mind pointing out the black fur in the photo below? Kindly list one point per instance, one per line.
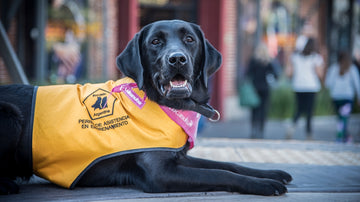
(160, 52)
(15, 152)
(146, 63)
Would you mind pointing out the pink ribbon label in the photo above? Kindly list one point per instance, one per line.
(127, 88)
(187, 120)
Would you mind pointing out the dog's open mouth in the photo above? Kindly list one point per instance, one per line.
(177, 87)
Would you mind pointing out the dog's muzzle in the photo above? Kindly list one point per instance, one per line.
(177, 83)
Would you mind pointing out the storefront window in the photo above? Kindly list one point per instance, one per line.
(153, 10)
(279, 27)
(356, 33)
(74, 38)
(247, 27)
(274, 22)
(340, 33)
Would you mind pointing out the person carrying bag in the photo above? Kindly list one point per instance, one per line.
(256, 88)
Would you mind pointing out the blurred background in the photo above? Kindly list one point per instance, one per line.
(68, 41)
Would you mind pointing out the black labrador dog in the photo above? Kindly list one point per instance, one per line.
(171, 62)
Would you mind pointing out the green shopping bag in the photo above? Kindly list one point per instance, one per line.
(248, 95)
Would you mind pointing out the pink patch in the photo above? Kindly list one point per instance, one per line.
(187, 120)
(127, 88)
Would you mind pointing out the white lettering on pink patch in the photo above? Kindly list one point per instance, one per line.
(127, 88)
(187, 120)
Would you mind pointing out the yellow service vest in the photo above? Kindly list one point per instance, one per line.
(75, 126)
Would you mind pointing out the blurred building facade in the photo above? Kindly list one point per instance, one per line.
(65, 41)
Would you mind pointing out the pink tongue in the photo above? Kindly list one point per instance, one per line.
(177, 82)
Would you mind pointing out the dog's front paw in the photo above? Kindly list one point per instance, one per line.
(7, 186)
(266, 187)
(278, 175)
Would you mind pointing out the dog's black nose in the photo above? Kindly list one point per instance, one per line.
(177, 58)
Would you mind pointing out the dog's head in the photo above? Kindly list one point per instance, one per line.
(172, 61)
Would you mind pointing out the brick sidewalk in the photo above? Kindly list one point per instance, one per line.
(277, 151)
(322, 171)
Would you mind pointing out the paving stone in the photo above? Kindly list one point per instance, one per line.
(322, 169)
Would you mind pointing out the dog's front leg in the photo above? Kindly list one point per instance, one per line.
(278, 175)
(162, 173)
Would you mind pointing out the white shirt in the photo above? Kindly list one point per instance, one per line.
(343, 86)
(305, 78)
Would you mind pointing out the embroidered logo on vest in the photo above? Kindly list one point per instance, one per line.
(99, 104)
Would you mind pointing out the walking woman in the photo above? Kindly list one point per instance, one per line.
(343, 82)
(262, 73)
(306, 70)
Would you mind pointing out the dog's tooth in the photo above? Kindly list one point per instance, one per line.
(178, 86)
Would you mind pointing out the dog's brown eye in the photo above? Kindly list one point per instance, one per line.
(155, 42)
(189, 39)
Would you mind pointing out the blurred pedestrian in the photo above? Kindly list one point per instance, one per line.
(306, 70)
(343, 82)
(262, 73)
(65, 33)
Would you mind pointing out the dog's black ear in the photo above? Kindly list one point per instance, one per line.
(129, 61)
(211, 57)
(212, 62)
